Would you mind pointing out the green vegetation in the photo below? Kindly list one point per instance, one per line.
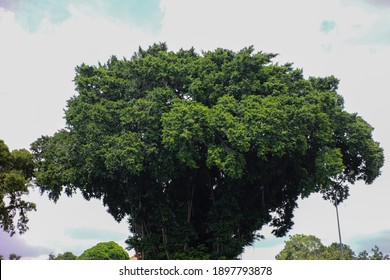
(101, 251)
(16, 171)
(64, 256)
(201, 151)
(105, 251)
(376, 255)
(309, 247)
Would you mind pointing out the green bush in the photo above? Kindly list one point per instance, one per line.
(105, 251)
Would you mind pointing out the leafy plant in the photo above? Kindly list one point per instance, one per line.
(200, 151)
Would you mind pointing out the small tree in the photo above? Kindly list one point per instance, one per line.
(16, 171)
(14, 257)
(64, 256)
(105, 251)
(376, 255)
(302, 247)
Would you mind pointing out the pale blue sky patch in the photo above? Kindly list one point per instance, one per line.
(269, 241)
(380, 38)
(367, 242)
(327, 26)
(146, 15)
(377, 34)
(31, 14)
(100, 235)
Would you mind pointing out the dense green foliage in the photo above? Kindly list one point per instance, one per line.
(309, 247)
(16, 171)
(332, 252)
(202, 151)
(301, 247)
(105, 251)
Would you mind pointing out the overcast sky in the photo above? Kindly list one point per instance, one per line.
(42, 41)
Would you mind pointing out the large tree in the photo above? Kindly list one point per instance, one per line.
(200, 151)
(16, 172)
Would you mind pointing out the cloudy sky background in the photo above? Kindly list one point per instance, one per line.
(42, 41)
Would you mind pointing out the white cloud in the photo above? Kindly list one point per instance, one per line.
(37, 69)
(51, 224)
(236, 24)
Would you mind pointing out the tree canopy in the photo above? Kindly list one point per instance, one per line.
(302, 247)
(105, 251)
(200, 151)
(16, 171)
(310, 247)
